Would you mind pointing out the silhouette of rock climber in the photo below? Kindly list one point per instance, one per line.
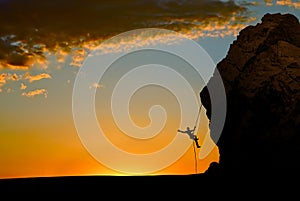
(191, 135)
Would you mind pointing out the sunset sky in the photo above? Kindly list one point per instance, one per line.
(43, 45)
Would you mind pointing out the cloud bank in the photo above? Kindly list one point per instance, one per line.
(33, 30)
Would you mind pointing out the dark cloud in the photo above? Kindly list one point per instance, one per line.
(74, 17)
(66, 23)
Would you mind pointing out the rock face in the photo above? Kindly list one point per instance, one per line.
(261, 75)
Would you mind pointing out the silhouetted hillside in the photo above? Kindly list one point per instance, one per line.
(261, 75)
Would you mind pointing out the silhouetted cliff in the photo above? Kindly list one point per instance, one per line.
(261, 75)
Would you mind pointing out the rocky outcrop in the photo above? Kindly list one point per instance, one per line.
(261, 75)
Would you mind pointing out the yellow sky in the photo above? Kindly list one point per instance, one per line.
(38, 154)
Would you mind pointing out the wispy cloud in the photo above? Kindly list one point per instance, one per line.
(33, 78)
(269, 2)
(290, 3)
(5, 78)
(23, 86)
(35, 93)
(96, 86)
(295, 4)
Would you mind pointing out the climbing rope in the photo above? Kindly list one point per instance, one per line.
(195, 157)
(198, 115)
(195, 140)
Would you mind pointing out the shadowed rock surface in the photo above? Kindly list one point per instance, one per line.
(261, 75)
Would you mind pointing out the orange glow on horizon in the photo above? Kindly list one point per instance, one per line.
(35, 154)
